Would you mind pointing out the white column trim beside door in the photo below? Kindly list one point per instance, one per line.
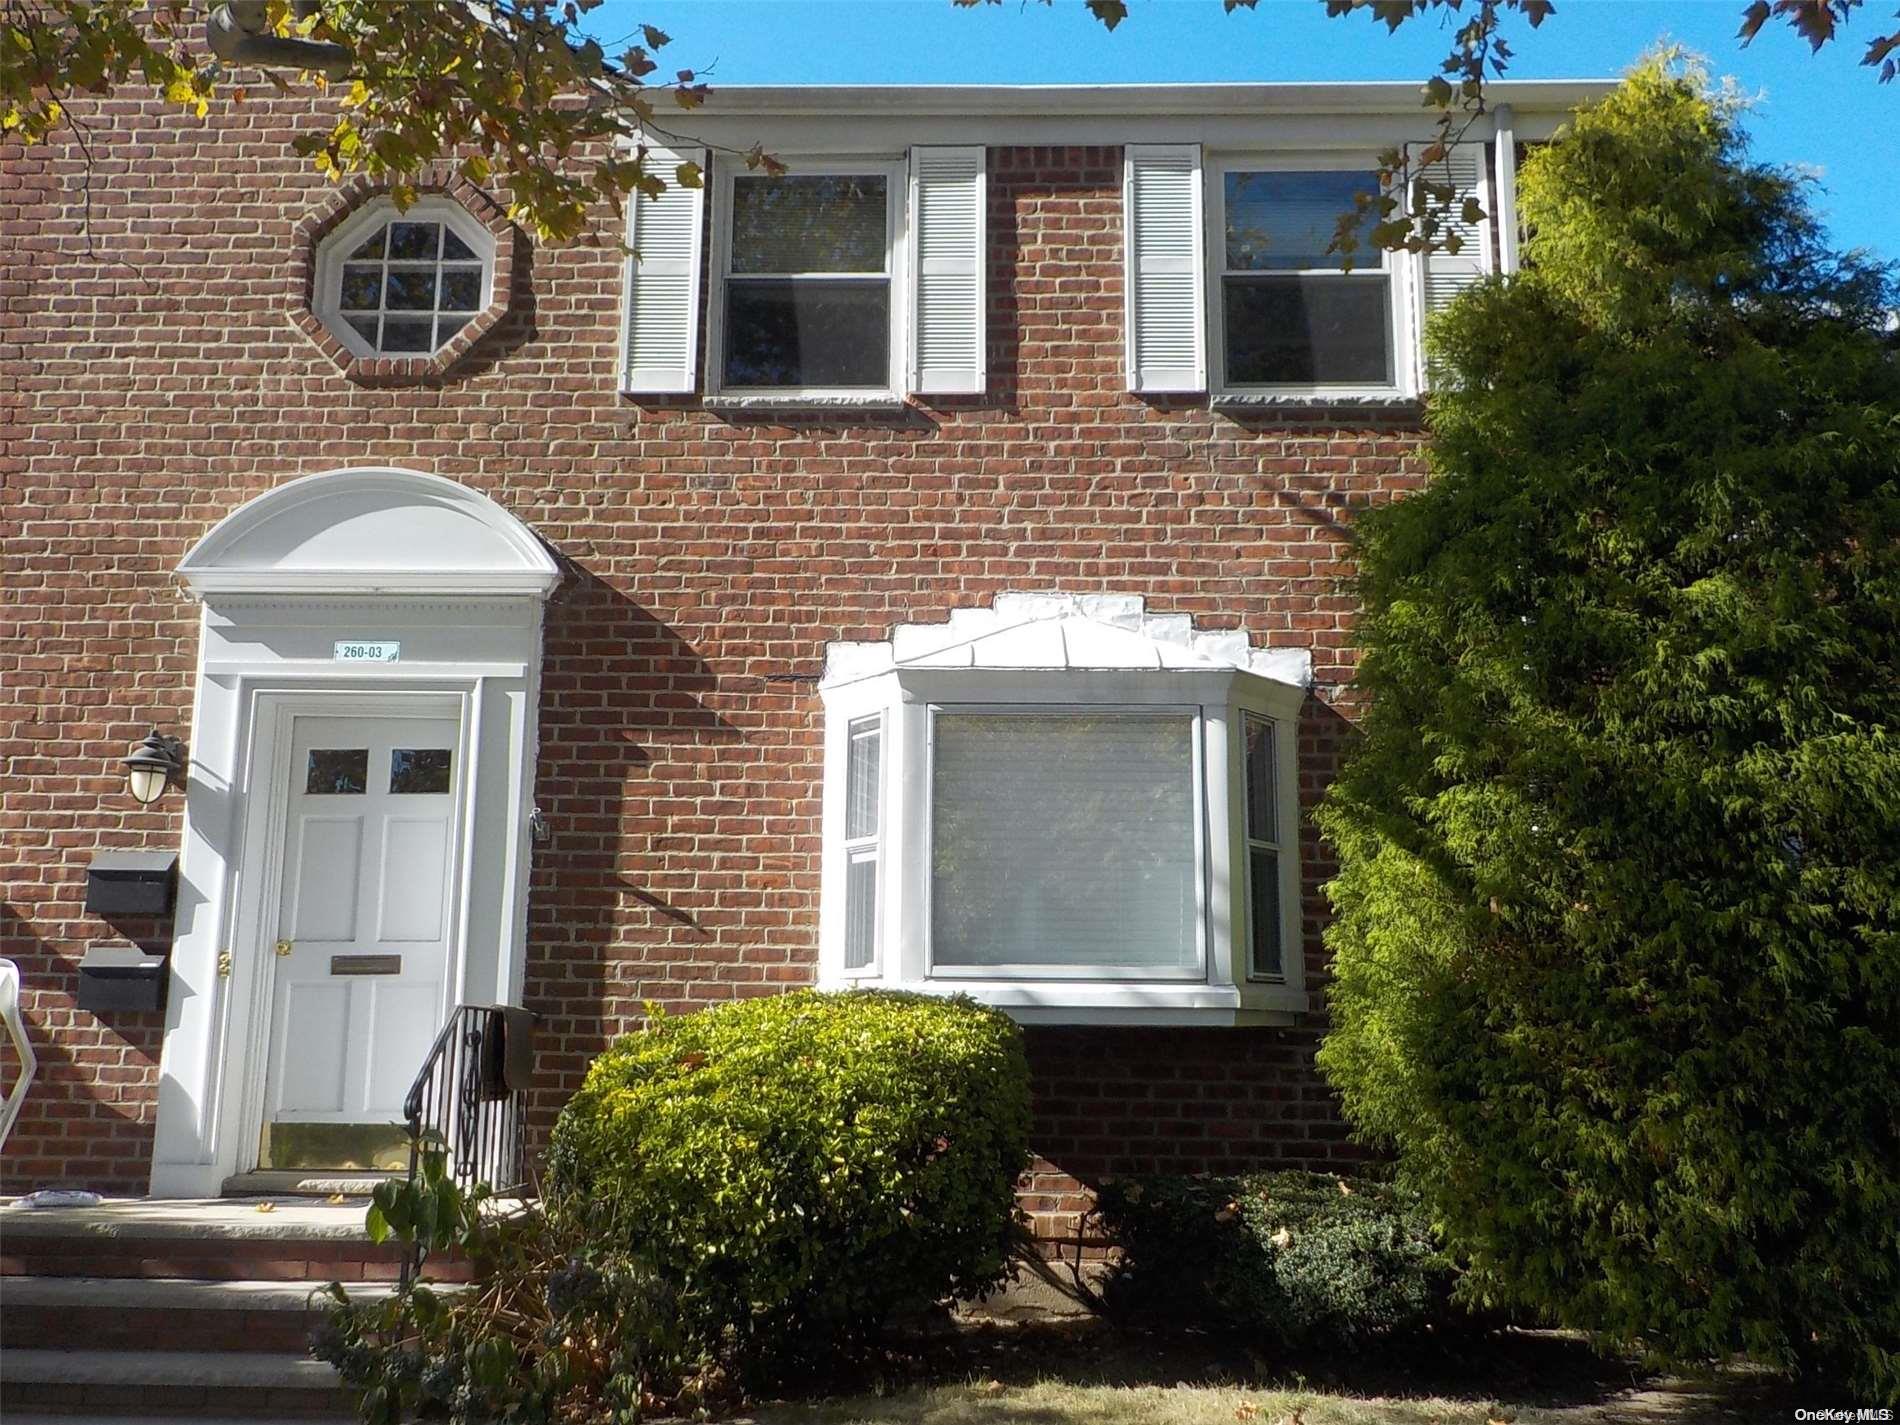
(470, 751)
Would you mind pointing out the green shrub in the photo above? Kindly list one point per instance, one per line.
(795, 1167)
(1297, 1259)
(547, 1336)
(1617, 951)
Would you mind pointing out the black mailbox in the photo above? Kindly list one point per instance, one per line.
(131, 882)
(507, 1051)
(119, 984)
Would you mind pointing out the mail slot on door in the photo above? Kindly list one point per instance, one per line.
(366, 964)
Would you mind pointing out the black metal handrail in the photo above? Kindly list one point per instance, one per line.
(468, 1096)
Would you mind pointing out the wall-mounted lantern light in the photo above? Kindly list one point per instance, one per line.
(152, 766)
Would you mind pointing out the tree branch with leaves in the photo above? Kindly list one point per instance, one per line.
(512, 90)
(522, 96)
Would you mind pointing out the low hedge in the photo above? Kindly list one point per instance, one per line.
(793, 1168)
(1301, 1259)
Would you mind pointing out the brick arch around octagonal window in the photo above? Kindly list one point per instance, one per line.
(343, 204)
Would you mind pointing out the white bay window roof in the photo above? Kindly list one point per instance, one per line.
(1070, 808)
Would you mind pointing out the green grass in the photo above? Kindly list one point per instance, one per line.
(1093, 1373)
(1055, 1402)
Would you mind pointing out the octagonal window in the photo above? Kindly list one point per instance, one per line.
(393, 283)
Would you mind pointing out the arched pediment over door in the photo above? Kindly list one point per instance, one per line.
(368, 531)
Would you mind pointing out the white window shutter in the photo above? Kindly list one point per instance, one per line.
(1441, 275)
(660, 323)
(1162, 217)
(948, 338)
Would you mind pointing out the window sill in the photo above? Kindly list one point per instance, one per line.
(1082, 1002)
(816, 401)
(1377, 402)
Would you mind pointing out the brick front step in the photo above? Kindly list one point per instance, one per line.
(110, 1313)
(202, 1310)
(192, 1384)
(220, 1240)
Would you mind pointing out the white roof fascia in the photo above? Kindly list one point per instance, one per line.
(1395, 97)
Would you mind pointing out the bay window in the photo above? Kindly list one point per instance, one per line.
(1070, 820)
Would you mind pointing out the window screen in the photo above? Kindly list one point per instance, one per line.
(1290, 315)
(1065, 842)
(808, 288)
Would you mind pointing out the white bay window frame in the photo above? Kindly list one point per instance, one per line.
(1398, 274)
(894, 172)
(1222, 991)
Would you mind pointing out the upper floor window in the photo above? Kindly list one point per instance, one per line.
(808, 290)
(1231, 288)
(393, 283)
(1288, 315)
(842, 280)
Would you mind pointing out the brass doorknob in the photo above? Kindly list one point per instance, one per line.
(283, 947)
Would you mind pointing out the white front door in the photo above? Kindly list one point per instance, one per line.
(365, 920)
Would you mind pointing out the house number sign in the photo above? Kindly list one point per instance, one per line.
(358, 650)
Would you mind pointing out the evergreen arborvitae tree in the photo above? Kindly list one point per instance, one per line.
(1618, 908)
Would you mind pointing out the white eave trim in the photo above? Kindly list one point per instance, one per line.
(1399, 97)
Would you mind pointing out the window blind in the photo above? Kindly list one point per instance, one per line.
(1443, 274)
(947, 236)
(1064, 841)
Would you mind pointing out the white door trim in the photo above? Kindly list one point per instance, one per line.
(212, 1079)
(258, 878)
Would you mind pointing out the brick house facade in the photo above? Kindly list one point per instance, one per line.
(163, 367)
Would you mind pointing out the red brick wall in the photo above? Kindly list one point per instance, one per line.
(152, 382)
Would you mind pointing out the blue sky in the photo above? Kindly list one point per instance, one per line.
(1824, 111)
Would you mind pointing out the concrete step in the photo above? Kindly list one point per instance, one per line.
(169, 1314)
(194, 1384)
(269, 1182)
(220, 1239)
